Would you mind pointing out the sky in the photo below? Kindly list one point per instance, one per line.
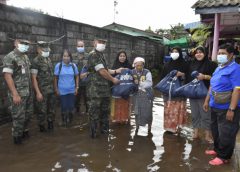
(134, 13)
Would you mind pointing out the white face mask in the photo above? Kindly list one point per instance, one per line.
(174, 56)
(45, 53)
(23, 48)
(222, 58)
(100, 47)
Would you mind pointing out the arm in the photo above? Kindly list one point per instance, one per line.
(235, 81)
(76, 84)
(116, 71)
(206, 102)
(10, 83)
(233, 104)
(36, 88)
(148, 82)
(55, 83)
(203, 77)
(105, 74)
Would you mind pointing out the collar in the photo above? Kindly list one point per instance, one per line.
(64, 64)
(229, 64)
(18, 53)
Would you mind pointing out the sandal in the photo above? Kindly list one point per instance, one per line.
(217, 161)
(210, 152)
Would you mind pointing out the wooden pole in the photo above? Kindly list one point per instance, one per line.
(216, 36)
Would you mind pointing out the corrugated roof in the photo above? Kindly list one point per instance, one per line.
(215, 3)
(133, 31)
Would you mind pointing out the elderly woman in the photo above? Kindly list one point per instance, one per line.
(143, 99)
(224, 101)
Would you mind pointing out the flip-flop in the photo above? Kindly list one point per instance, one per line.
(217, 161)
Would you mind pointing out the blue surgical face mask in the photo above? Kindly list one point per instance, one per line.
(222, 58)
(80, 49)
(23, 48)
(45, 53)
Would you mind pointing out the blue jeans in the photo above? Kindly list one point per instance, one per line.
(67, 102)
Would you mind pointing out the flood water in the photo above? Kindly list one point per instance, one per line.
(72, 149)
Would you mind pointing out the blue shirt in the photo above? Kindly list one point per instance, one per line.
(66, 80)
(224, 79)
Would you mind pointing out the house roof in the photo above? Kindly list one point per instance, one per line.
(133, 31)
(215, 3)
(229, 10)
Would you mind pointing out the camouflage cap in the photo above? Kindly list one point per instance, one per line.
(23, 41)
(43, 45)
(100, 39)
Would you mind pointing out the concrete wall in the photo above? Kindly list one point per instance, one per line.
(16, 22)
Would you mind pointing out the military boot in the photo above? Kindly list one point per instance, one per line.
(105, 128)
(93, 129)
(50, 125)
(42, 128)
(17, 140)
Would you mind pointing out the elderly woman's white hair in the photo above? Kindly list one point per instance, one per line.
(138, 59)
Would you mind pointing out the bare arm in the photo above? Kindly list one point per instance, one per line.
(206, 102)
(55, 83)
(105, 74)
(233, 104)
(114, 72)
(10, 83)
(76, 84)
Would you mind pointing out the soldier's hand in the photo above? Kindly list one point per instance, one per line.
(17, 99)
(115, 81)
(39, 97)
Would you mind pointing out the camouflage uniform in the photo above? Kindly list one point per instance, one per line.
(43, 68)
(19, 66)
(98, 92)
(81, 62)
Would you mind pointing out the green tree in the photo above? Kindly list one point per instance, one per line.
(201, 34)
(149, 29)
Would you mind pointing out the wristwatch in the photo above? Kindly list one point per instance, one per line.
(232, 110)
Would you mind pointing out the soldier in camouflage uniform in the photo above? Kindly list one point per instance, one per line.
(98, 90)
(42, 78)
(81, 57)
(17, 74)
